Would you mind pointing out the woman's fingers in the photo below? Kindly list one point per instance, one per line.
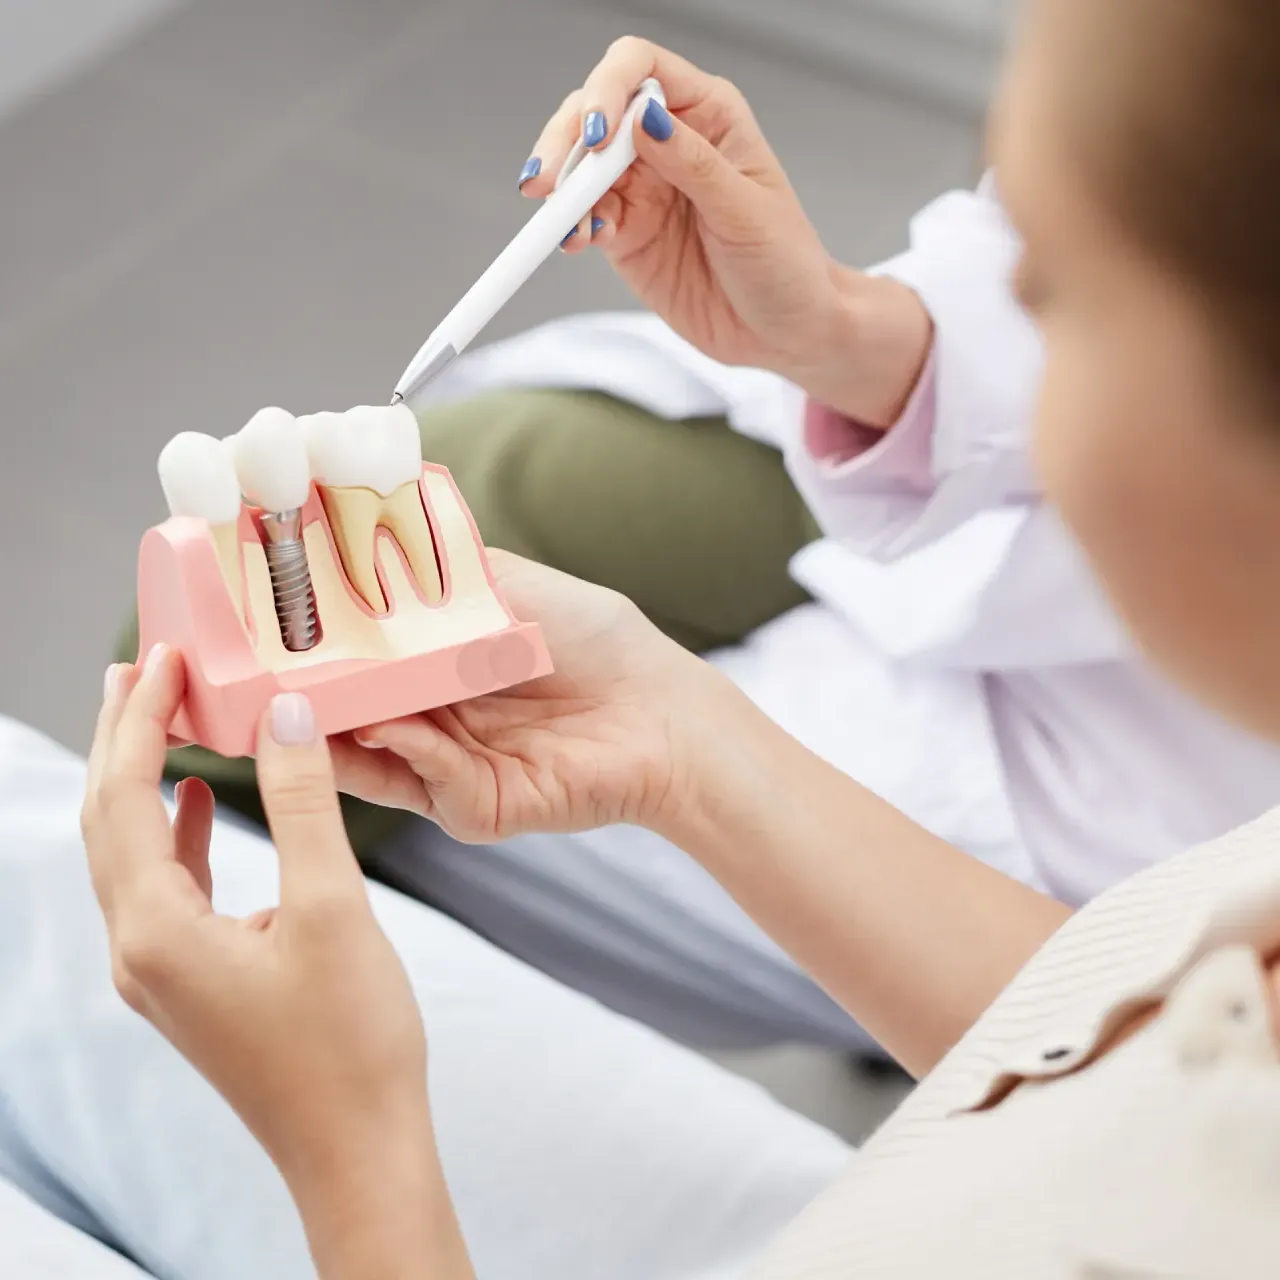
(117, 683)
(538, 177)
(616, 77)
(606, 219)
(694, 165)
(459, 787)
(126, 826)
(594, 112)
(380, 777)
(193, 829)
(579, 238)
(300, 797)
(435, 757)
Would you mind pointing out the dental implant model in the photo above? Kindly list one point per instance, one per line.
(322, 554)
(271, 464)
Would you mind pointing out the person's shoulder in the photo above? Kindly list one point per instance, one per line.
(1130, 941)
(1133, 939)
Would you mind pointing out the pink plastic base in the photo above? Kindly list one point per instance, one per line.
(184, 603)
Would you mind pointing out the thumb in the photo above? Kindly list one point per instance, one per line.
(300, 798)
(690, 162)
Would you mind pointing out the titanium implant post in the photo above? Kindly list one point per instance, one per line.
(291, 586)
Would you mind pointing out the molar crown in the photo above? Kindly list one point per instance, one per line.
(369, 447)
(271, 461)
(367, 463)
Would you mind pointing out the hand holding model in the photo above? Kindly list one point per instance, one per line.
(706, 230)
(301, 1016)
(608, 738)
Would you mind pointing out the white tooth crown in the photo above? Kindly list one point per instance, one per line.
(199, 478)
(271, 460)
(369, 447)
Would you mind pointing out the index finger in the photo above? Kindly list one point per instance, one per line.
(627, 63)
(129, 756)
(120, 678)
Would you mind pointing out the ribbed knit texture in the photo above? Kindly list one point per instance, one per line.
(1130, 940)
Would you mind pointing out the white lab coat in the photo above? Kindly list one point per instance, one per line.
(960, 658)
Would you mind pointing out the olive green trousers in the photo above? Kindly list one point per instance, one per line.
(692, 521)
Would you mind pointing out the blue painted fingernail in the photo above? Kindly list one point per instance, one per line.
(657, 121)
(596, 224)
(594, 127)
(570, 236)
(532, 167)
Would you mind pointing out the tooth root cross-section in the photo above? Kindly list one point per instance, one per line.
(356, 515)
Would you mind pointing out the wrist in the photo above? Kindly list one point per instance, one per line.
(876, 342)
(718, 738)
(378, 1210)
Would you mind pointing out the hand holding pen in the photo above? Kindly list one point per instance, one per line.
(664, 167)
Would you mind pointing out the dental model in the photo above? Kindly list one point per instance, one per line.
(367, 464)
(198, 476)
(322, 554)
(271, 464)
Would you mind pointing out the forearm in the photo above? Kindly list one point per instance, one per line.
(880, 339)
(386, 1215)
(913, 937)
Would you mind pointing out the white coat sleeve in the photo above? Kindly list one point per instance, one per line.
(949, 489)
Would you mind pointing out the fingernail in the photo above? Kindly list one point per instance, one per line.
(110, 682)
(366, 741)
(154, 660)
(596, 224)
(570, 236)
(594, 127)
(657, 121)
(292, 722)
(532, 167)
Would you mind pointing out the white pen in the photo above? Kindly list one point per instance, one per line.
(585, 177)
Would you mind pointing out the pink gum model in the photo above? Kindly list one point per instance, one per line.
(366, 668)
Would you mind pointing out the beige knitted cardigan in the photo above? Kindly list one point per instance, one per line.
(1145, 1162)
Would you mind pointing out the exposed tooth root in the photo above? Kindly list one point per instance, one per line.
(355, 515)
(404, 515)
(226, 542)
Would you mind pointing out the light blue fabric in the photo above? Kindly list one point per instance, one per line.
(577, 1144)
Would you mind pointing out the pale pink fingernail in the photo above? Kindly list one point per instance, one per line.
(293, 724)
(111, 682)
(154, 660)
(367, 740)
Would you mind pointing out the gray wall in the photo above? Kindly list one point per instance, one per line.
(945, 50)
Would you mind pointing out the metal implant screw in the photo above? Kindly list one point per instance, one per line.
(295, 597)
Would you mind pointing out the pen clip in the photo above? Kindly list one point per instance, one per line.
(649, 88)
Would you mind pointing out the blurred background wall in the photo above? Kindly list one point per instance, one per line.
(944, 50)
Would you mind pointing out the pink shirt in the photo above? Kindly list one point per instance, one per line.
(840, 446)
